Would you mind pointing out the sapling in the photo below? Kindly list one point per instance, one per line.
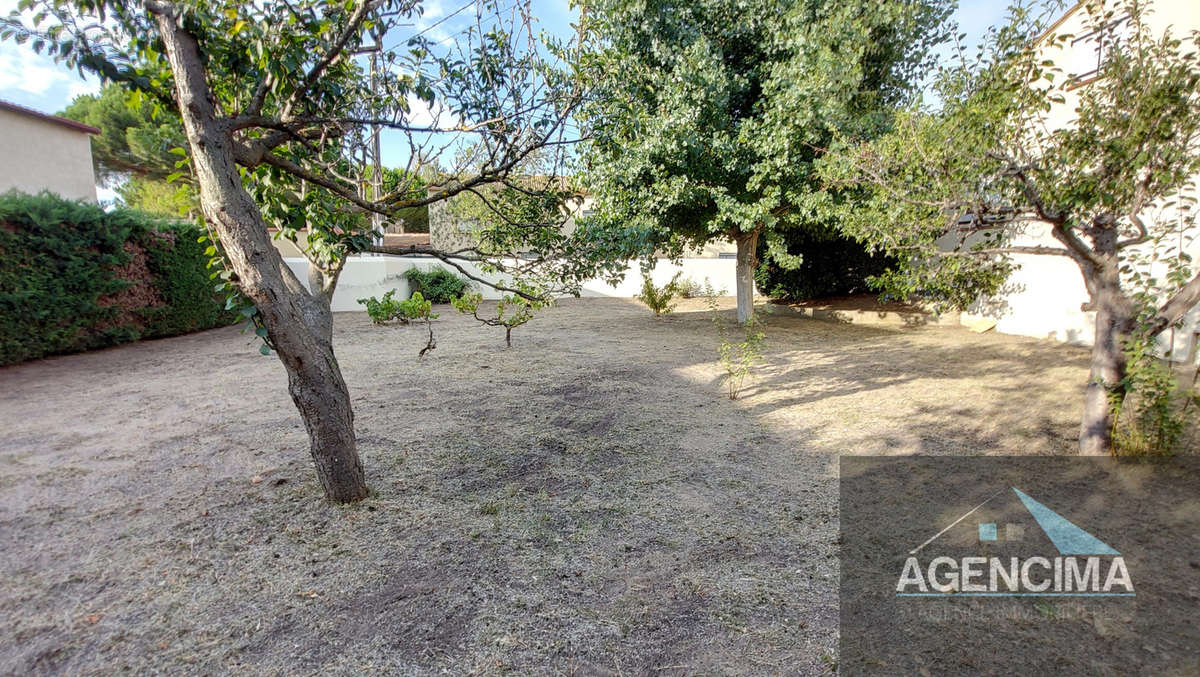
(659, 299)
(512, 311)
(417, 308)
(737, 358)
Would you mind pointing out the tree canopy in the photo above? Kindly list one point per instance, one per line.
(1016, 156)
(712, 128)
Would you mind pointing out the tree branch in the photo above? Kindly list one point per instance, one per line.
(1176, 307)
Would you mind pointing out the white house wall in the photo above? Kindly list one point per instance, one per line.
(41, 155)
(1043, 298)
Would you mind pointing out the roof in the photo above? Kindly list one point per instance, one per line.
(77, 126)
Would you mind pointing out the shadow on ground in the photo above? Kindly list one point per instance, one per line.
(587, 502)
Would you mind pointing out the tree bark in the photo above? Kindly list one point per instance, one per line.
(1114, 322)
(747, 261)
(1105, 386)
(299, 328)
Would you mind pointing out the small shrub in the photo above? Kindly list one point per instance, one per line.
(690, 288)
(413, 309)
(382, 310)
(438, 285)
(1151, 420)
(738, 358)
(511, 312)
(659, 299)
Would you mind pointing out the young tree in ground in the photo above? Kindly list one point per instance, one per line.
(273, 88)
(959, 189)
(712, 126)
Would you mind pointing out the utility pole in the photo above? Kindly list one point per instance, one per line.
(376, 152)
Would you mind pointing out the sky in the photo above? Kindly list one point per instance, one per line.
(37, 82)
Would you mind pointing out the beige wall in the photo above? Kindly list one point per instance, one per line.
(1044, 296)
(37, 155)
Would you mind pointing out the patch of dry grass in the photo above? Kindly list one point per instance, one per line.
(588, 502)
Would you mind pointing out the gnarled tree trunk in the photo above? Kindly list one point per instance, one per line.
(747, 261)
(299, 327)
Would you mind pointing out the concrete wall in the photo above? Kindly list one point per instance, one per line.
(1043, 297)
(41, 155)
(366, 276)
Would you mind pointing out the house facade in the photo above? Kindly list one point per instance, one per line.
(45, 153)
(1043, 298)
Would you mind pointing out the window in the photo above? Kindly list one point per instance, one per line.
(1088, 51)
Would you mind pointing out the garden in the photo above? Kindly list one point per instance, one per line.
(497, 465)
(588, 501)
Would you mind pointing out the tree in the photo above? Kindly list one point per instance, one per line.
(713, 126)
(134, 139)
(961, 188)
(272, 93)
(132, 152)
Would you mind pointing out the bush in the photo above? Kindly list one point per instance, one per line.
(691, 288)
(387, 309)
(659, 299)
(438, 285)
(382, 310)
(831, 265)
(75, 277)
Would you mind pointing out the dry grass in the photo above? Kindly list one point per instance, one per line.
(588, 502)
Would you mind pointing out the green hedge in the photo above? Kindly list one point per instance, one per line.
(831, 265)
(74, 277)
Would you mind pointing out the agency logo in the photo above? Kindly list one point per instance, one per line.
(1084, 566)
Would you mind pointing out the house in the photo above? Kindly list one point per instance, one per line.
(1026, 307)
(45, 152)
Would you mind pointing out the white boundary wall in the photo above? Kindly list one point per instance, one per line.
(365, 276)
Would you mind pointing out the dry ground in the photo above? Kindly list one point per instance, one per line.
(587, 502)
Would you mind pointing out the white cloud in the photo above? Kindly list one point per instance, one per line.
(24, 71)
(25, 74)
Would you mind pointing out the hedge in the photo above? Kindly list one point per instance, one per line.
(831, 265)
(74, 277)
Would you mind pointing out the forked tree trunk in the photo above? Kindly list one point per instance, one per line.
(747, 261)
(299, 327)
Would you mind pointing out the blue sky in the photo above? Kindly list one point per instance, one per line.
(37, 82)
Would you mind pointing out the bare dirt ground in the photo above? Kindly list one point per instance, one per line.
(587, 502)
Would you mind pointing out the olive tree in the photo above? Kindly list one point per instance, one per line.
(275, 93)
(961, 187)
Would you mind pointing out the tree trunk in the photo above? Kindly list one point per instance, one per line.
(1105, 388)
(747, 261)
(508, 336)
(1114, 321)
(321, 285)
(297, 325)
